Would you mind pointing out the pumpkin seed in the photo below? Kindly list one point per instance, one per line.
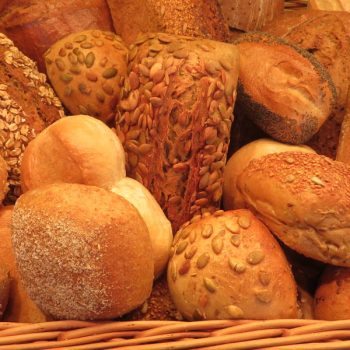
(203, 261)
(90, 59)
(210, 285)
(110, 73)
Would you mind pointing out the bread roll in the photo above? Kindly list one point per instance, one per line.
(240, 160)
(229, 266)
(158, 225)
(35, 25)
(82, 252)
(20, 308)
(332, 297)
(325, 35)
(197, 18)
(87, 70)
(287, 93)
(250, 15)
(27, 106)
(175, 120)
(78, 149)
(304, 199)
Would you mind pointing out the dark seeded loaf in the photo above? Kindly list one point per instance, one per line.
(27, 106)
(175, 120)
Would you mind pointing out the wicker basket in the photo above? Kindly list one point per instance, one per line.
(156, 335)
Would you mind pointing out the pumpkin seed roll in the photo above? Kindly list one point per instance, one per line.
(87, 70)
(175, 117)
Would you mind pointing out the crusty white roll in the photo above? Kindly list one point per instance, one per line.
(332, 297)
(228, 265)
(83, 252)
(158, 225)
(304, 199)
(78, 149)
(241, 158)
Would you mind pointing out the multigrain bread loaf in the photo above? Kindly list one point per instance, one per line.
(239, 161)
(27, 106)
(286, 92)
(304, 199)
(327, 37)
(87, 70)
(20, 308)
(229, 266)
(198, 18)
(175, 120)
(35, 25)
(332, 297)
(250, 15)
(82, 252)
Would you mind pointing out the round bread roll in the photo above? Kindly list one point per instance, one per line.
(87, 70)
(304, 199)
(241, 158)
(158, 225)
(78, 149)
(82, 252)
(228, 265)
(332, 297)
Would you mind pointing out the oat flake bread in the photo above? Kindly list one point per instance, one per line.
(304, 199)
(35, 25)
(27, 106)
(175, 120)
(286, 92)
(229, 266)
(87, 70)
(197, 18)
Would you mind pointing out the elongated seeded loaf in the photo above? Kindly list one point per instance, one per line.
(250, 15)
(27, 106)
(87, 70)
(326, 36)
(286, 92)
(198, 18)
(175, 120)
(304, 199)
(34, 25)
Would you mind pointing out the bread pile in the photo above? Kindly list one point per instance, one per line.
(128, 208)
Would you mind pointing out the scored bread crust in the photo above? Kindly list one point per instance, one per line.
(27, 105)
(82, 252)
(288, 94)
(175, 120)
(35, 25)
(197, 18)
(304, 199)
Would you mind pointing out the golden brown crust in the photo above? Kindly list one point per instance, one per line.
(175, 120)
(35, 25)
(288, 94)
(197, 18)
(324, 34)
(343, 150)
(228, 265)
(78, 149)
(305, 200)
(250, 15)
(27, 106)
(87, 70)
(332, 297)
(82, 252)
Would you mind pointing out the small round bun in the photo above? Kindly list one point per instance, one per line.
(78, 149)
(304, 199)
(82, 252)
(228, 265)
(332, 297)
(87, 70)
(158, 225)
(240, 160)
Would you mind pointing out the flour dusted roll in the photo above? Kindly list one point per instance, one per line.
(229, 266)
(82, 252)
(175, 120)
